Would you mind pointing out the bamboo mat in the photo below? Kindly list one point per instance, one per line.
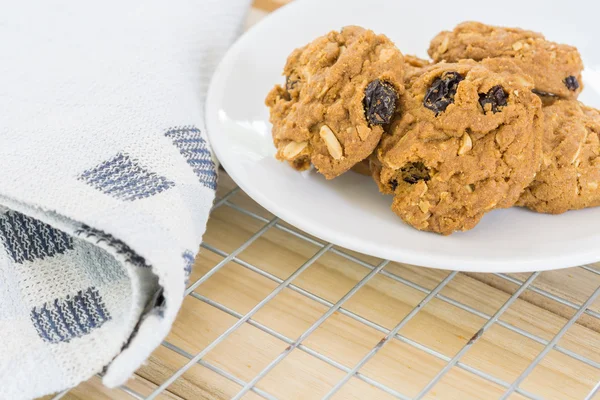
(461, 335)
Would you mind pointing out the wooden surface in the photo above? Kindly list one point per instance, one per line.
(384, 301)
(440, 326)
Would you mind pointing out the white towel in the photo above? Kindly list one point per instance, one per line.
(106, 180)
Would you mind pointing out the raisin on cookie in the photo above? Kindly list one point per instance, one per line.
(413, 68)
(468, 141)
(570, 171)
(555, 68)
(341, 92)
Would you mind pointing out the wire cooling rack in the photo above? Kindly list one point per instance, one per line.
(486, 336)
(573, 363)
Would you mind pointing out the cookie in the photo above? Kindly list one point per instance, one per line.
(570, 171)
(413, 67)
(340, 94)
(468, 141)
(555, 68)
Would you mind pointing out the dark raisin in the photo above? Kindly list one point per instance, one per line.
(441, 92)
(571, 83)
(393, 184)
(414, 172)
(380, 102)
(495, 97)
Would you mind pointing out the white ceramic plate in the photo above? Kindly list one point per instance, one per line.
(349, 211)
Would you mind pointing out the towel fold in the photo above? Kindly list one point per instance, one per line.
(106, 180)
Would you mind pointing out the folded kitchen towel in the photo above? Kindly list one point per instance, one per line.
(106, 180)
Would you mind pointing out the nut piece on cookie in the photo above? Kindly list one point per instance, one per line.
(469, 140)
(569, 178)
(555, 68)
(340, 95)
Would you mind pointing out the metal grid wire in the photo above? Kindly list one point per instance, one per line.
(351, 371)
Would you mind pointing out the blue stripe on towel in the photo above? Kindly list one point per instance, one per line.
(73, 316)
(194, 149)
(28, 239)
(125, 179)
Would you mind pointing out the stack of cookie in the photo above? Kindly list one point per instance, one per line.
(492, 121)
